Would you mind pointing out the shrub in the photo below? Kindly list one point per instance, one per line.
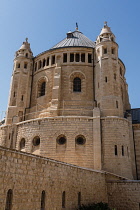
(94, 206)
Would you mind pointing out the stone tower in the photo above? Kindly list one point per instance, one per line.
(20, 90)
(110, 84)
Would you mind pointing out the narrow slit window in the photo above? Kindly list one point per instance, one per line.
(122, 150)
(77, 57)
(53, 59)
(116, 151)
(65, 58)
(43, 200)
(77, 84)
(9, 200)
(89, 58)
(117, 105)
(114, 76)
(79, 198)
(22, 97)
(83, 57)
(71, 57)
(14, 94)
(26, 55)
(63, 199)
(105, 79)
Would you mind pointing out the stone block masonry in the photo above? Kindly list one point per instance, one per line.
(124, 195)
(28, 175)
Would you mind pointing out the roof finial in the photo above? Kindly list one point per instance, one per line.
(77, 26)
(26, 39)
(105, 23)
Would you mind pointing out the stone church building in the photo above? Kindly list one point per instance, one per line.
(70, 136)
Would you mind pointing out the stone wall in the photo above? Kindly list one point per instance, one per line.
(116, 133)
(124, 195)
(28, 175)
(49, 129)
(136, 128)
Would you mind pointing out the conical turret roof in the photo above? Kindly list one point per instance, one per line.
(25, 45)
(106, 29)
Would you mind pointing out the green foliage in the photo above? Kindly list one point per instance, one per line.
(94, 206)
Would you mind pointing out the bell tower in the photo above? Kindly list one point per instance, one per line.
(20, 84)
(108, 88)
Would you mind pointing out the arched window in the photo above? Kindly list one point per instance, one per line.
(77, 84)
(42, 89)
(22, 144)
(9, 200)
(79, 198)
(43, 200)
(36, 141)
(63, 199)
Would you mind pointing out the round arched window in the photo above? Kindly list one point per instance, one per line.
(77, 84)
(22, 143)
(80, 140)
(61, 140)
(36, 141)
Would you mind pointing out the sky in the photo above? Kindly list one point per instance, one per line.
(46, 22)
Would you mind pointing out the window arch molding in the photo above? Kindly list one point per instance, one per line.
(42, 86)
(82, 77)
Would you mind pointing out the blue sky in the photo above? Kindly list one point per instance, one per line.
(46, 22)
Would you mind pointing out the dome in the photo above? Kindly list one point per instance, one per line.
(106, 29)
(75, 39)
(25, 45)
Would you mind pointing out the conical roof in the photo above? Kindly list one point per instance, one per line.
(25, 45)
(75, 39)
(105, 29)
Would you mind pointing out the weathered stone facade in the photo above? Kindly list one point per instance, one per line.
(70, 104)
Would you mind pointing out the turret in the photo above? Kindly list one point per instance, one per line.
(20, 84)
(110, 82)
